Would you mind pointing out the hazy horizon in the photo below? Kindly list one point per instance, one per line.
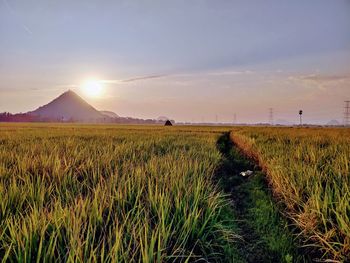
(190, 62)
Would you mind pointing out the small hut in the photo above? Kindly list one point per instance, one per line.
(168, 123)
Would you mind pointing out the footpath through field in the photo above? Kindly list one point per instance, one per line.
(265, 233)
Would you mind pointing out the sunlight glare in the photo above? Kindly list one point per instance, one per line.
(92, 88)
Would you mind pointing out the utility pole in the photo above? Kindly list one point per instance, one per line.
(347, 113)
(271, 116)
(216, 118)
(300, 113)
(235, 118)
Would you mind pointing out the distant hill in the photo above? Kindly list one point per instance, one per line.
(283, 122)
(68, 106)
(333, 123)
(109, 113)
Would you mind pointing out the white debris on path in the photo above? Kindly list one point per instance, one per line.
(246, 173)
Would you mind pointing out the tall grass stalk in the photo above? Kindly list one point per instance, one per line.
(308, 169)
(82, 193)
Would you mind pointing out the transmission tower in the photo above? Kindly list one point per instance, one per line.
(347, 113)
(271, 116)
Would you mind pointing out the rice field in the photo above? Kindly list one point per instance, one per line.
(308, 170)
(77, 193)
(114, 193)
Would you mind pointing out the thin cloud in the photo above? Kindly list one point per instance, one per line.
(322, 82)
(158, 76)
(144, 78)
(326, 77)
(12, 11)
(321, 78)
(224, 73)
(110, 81)
(120, 81)
(212, 73)
(191, 74)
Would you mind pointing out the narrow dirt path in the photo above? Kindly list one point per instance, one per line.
(266, 237)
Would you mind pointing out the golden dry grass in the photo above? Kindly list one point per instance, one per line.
(81, 193)
(308, 169)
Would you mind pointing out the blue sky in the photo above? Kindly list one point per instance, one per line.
(211, 57)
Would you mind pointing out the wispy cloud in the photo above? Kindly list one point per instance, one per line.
(320, 78)
(18, 20)
(158, 76)
(322, 82)
(170, 75)
(323, 78)
(133, 79)
(230, 72)
(223, 72)
(110, 81)
(144, 78)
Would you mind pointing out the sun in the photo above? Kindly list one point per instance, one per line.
(92, 88)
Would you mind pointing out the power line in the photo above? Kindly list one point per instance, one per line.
(271, 116)
(347, 113)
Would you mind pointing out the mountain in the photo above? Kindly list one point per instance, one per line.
(109, 113)
(68, 106)
(283, 122)
(333, 123)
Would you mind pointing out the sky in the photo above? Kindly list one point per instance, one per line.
(189, 60)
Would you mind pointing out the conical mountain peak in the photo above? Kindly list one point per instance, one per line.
(68, 106)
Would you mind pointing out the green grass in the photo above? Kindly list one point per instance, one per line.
(265, 232)
(308, 170)
(82, 193)
(114, 193)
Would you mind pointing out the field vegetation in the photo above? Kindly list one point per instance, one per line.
(107, 193)
(112, 194)
(308, 171)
